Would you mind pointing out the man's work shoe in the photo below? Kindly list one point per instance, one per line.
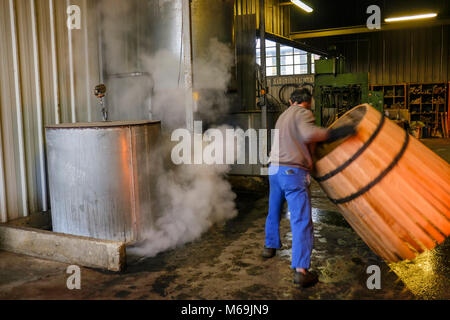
(269, 253)
(305, 280)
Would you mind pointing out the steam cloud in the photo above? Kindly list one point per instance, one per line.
(188, 199)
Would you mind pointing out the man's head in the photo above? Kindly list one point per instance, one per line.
(302, 97)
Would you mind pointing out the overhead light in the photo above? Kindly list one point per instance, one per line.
(302, 5)
(415, 17)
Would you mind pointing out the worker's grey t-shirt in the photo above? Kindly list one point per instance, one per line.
(297, 130)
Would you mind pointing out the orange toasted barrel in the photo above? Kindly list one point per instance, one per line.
(392, 190)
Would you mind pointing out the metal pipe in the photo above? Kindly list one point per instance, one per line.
(54, 63)
(129, 75)
(86, 57)
(138, 34)
(101, 60)
(3, 209)
(262, 40)
(71, 73)
(187, 62)
(40, 122)
(20, 137)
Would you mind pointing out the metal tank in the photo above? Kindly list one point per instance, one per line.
(165, 26)
(211, 20)
(145, 29)
(100, 178)
(157, 29)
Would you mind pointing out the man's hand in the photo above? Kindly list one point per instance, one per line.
(341, 132)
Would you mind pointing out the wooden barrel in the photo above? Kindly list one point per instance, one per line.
(392, 190)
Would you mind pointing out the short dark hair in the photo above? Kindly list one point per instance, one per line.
(301, 95)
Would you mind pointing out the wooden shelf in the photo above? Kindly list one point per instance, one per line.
(393, 100)
(430, 113)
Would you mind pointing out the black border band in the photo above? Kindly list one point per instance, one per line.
(377, 179)
(355, 156)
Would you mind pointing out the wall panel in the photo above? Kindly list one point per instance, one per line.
(277, 17)
(36, 90)
(413, 55)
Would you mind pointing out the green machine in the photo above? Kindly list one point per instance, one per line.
(336, 92)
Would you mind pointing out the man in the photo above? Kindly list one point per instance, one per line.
(289, 178)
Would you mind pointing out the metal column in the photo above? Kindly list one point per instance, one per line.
(18, 100)
(263, 101)
(39, 111)
(187, 62)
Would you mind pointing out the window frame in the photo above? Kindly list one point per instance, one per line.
(309, 60)
(295, 53)
(276, 66)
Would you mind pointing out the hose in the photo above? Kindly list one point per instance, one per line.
(294, 86)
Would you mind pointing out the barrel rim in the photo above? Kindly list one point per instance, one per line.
(98, 125)
(368, 108)
(346, 114)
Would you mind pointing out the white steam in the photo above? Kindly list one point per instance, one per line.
(191, 199)
(187, 199)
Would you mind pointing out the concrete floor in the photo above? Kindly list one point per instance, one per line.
(225, 264)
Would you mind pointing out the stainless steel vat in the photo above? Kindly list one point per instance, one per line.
(100, 178)
(209, 21)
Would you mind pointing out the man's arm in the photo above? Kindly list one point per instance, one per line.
(312, 133)
(309, 131)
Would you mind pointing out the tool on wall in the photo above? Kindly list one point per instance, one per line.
(100, 92)
(273, 104)
(287, 89)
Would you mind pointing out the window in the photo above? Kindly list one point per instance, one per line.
(293, 61)
(284, 60)
(314, 57)
(271, 57)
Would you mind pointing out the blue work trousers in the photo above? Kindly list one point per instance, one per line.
(291, 184)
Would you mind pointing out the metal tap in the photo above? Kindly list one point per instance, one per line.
(100, 92)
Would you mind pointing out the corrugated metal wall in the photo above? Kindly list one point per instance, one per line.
(413, 55)
(277, 17)
(47, 74)
(245, 25)
(245, 31)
